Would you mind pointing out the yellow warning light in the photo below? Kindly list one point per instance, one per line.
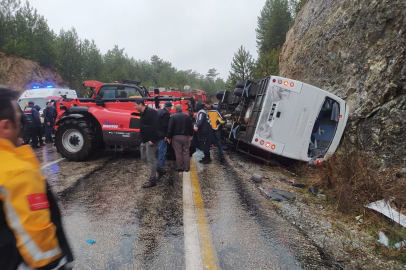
(286, 83)
(267, 144)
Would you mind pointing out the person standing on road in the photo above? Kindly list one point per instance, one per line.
(39, 129)
(25, 128)
(203, 131)
(149, 140)
(31, 233)
(49, 120)
(164, 116)
(33, 115)
(216, 120)
(180, 133)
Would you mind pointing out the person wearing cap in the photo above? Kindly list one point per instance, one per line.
(164, 116)
(216, 120)
(203, 132)
(33, 115)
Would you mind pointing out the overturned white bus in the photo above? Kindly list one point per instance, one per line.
(283, 117)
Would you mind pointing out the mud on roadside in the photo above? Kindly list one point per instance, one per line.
(349, 247)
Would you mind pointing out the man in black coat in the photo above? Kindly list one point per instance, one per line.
(203, 137)
(164, 116)
(149, 132)
(49, 120)
(180, 132)
(25, 128)
(34, 117)
(39, 129)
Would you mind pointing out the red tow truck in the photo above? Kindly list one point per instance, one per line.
(107, 117)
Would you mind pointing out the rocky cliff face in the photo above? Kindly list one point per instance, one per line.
(356, 49)
(22, 74)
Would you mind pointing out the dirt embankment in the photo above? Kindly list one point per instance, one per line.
(22, 74)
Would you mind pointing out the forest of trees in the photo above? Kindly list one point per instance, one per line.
(25, 33)
(274, 21)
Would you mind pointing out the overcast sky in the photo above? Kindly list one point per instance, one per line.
(191, 34)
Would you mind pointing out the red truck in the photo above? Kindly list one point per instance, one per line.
(107, 117)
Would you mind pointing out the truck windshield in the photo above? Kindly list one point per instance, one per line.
(112, 91)
(324, 128)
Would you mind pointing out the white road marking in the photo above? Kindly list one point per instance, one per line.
(51, 163)
(193, 252)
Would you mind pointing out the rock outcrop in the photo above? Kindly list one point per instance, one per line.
(357, 50)
(22, 74)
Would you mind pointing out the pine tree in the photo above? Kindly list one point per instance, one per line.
(212, 74)
(242, 68)
(273, 24)
(268, 63)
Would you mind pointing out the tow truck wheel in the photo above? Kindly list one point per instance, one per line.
(73, 139)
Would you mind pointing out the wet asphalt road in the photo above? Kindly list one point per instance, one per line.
(137, 228)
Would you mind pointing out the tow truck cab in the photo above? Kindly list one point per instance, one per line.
(288, 118)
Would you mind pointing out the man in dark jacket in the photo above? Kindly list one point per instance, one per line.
(25, 128)
(149, 139)
(49, 120)
(180, 132)
(164, 116)
(203, 132)
(33, 115)
(39, 129)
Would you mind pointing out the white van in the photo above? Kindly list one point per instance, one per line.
(288, 118)
(40, 96)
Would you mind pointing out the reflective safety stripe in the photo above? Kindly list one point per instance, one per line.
(35, 253)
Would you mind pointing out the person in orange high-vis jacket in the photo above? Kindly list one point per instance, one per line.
(31, 235)
(216, 120)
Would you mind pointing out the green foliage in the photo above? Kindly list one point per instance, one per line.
(274, 22)
(25, 33)
(268, 63)
(242, 68)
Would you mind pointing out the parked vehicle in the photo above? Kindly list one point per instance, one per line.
(283, 117)
(107, 117)
(40, 96)
(196, 94)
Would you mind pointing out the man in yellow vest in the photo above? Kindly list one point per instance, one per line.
(31, 234)
(216, 120)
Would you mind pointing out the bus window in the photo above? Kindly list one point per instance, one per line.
(324, 128)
